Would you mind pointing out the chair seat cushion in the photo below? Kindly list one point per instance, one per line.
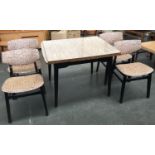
(22, 84)
(25, 69)
(134, 69)
(123, 58)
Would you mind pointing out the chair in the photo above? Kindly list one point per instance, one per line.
(20, 44)
(111, 38)
(131, 71)
(20, 86)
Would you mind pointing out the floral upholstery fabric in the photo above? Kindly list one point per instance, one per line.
(23, 43)
(128, 46)
(112, 37)
(22, 84)
(135, 69)
(20, 57)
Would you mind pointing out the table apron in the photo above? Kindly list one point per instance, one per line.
(66, 64)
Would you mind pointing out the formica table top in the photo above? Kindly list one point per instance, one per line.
(76, 49)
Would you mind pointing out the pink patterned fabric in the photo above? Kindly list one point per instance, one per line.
(22, 43)
(20, 57)
(112, 37)
(128, 46)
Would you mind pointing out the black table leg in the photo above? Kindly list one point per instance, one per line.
(109, 74)
(49, 71)
(92, 66)
(106, 74)
(56, 75)
(98, 65)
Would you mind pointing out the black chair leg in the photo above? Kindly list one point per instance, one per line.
(149, 85)
(136, 56)
(151, 56)
(122, 89)
(44, 100)
(98, 65)
(8, 107)
(92, 67)
(39, 70)
(49, 71)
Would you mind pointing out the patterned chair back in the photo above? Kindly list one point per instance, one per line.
(128, 46)
(20, 57)
(23, 43)
(112, 37)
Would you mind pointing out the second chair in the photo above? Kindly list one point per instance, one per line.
(21, 86)
(29, 43)
(131, 71)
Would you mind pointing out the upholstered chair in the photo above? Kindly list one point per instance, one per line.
(111, 38)
(131, 71)
(20, 44)
(20, 86)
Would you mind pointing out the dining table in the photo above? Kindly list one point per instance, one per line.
(66, 52)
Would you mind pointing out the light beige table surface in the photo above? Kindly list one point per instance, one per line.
(76, 49)
(149, 46)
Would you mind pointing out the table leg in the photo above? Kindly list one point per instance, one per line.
(106, 74)
(49, 71)
(92, 66)
(56, 76)
(109, 71)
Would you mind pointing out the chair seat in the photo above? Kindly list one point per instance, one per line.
(24, 69)
(134, 69)
(123, 58)
(22, 83)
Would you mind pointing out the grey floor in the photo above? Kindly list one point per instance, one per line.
(83, 100)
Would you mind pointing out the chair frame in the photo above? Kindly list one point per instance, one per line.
(105, 65)
(12, 74)
(14, 96)
(129, 79)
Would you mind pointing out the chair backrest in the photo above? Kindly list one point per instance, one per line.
(23, 43)
(128, 46)
(112, 37)
(20, 57)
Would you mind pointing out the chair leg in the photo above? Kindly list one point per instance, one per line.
(44, 100)
(49, 71)
(98, 65)
(92, 64)
(122, 89)
(8, 107)
(149, 85)
(39, 71)
(151, 56)
(136, 56)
